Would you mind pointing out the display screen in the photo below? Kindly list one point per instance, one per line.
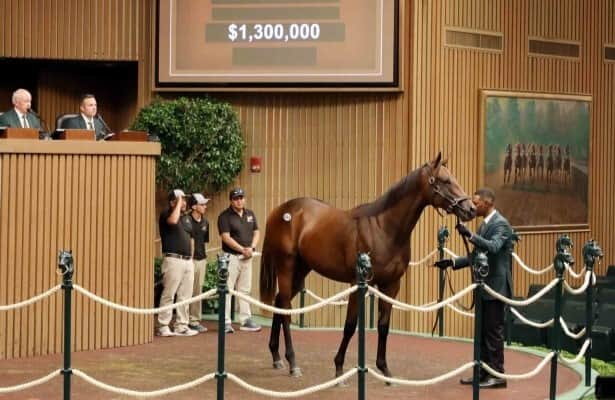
(320, 43)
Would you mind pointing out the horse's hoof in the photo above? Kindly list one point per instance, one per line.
(296, 372)
(278, 364)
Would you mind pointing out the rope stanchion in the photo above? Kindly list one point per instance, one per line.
(31, 300)
(588, 275)
(223, 261)
(527, 375)
(422, 260)
(285, 311)
(65, 263)
(424, 382)
(136, 393)
(296, 393)
(31, 384)
(203, 296)
(526, 321)
(567, 331)
(409, 307)
(532, 271)
(527, 301)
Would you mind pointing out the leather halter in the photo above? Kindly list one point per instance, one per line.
(453, 202)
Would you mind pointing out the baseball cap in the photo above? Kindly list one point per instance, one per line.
(175, 193)
(197, 198)
(236, 192)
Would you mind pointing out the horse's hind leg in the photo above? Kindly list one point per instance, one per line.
(384, 320)
(274, 338)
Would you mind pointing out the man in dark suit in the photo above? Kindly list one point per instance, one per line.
(494, 237)
(88, 118)
(20, 116)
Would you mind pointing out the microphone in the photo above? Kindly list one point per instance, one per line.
(108, 132)
(44, 134)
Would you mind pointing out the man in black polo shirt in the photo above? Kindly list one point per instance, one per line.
(239, 232)
(199, 226)
(177, 267)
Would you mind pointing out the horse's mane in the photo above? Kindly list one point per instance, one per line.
(397, 192)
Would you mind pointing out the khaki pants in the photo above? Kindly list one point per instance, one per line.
(196, 311)
(177, 279)
(239, 279)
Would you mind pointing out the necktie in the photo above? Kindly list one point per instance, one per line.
(24, 121)
(90, 125)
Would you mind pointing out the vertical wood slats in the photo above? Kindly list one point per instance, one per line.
(71, 29)
(97, 206)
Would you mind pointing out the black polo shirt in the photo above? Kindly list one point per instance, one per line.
(239, 228)
(175, 238)
(200, 233)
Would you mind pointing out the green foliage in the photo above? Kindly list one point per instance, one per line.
(202, 145)
(211, 282)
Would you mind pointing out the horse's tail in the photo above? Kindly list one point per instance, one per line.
(268, 279)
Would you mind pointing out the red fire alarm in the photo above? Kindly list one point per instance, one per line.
(255, 164)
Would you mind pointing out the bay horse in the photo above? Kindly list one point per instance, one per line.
(550, 164)
(518, 163)
(567, 166)
(306, 234)
(533, 161)
(541, 162)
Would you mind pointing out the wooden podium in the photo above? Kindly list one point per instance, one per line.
(75, 134)
(19, 133)
(130, 136)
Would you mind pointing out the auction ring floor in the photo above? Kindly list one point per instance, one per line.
(176, 360)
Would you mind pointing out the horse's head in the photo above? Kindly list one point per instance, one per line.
(444, 192)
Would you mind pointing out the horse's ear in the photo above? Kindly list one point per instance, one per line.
(436, 162)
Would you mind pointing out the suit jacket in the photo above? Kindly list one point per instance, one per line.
(11, 119)
(79, 123)
(494, 238)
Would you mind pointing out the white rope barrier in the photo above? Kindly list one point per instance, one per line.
(527, 375)
(296, 393)
(567, 331)
(424, 382)
(525, 302)
(318, 298)
(574, 274)
(207, 295)
(422, 260)
(579, 356)
(460, 311)
(30, 384)
(285, 311)
(581, 289)
(530, 322)
(531, 270)
(408, 307)
(31, 300)
(136, 393)
(450, 253)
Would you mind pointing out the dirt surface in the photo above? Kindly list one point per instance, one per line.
(176, 360)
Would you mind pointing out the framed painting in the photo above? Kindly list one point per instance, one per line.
(535, 151)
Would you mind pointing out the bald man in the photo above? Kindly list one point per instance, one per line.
(21, 116)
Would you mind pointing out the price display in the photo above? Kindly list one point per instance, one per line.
(277, 43)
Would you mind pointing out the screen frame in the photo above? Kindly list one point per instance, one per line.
(393, 86)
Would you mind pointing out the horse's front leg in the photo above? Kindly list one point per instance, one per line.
(384, 320)
(349, 327)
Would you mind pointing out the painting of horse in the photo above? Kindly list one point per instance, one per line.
(306, 234)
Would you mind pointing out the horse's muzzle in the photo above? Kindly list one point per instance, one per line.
(465, 210)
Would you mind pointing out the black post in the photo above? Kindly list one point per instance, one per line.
(563, 257)
(301, 305)
(65, 263)
(364, 268)
(232, 308)
(222, 291)
(442, 236)
(371, 310)
(481, 270)
(591, 251)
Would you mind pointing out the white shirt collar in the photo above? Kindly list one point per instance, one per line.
(87, 119)
(19, 114)
(488, 217)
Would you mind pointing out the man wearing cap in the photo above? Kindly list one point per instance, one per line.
(177, 266)
(199, 227)
(239, 232)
